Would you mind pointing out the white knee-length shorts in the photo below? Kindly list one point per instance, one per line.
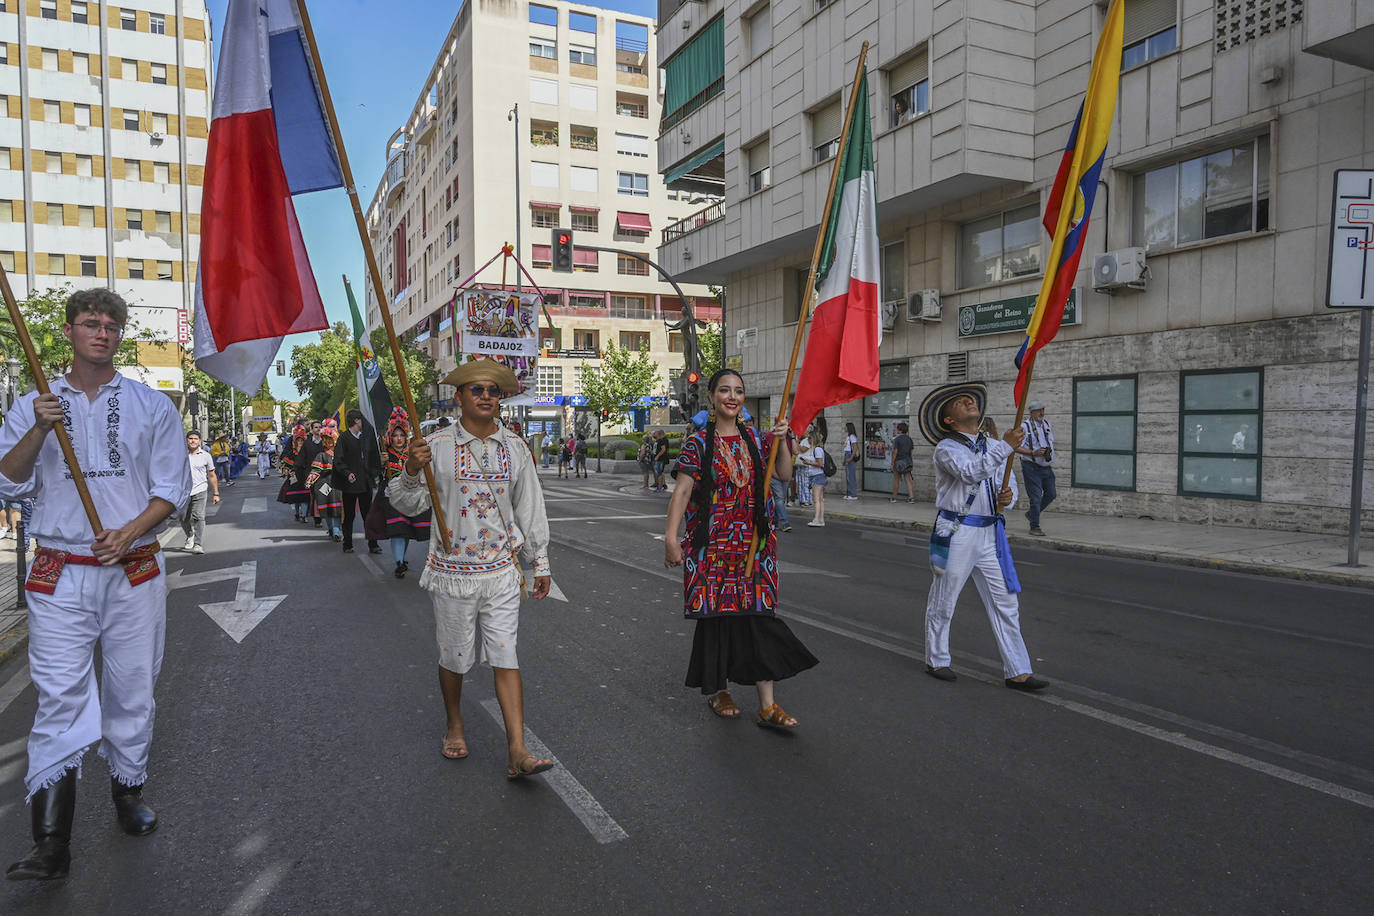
(456, 621)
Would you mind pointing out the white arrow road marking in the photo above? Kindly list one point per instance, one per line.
(254, 504)
(246, 611)
(555, 592)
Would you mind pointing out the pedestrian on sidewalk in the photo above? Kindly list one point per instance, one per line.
(801, 471)
(265, 452)
(721, 490)
(355, 467)
(816, 477)
(384, 520)
(325, 500)
(660, 460)
(88, 588)
(293, 490)
(546, 448)
(851, 461)
(565, 453)
(902, 463)
(580, 456)
(1037, 459)
(646, 459)
(970, 535)
(204, 485)
(492, 498)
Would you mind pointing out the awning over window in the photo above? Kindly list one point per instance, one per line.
(585, 258)
(577, 208)
(545, 205)
(700, 159)
(541, 252)
(632, 222)
(692, 70)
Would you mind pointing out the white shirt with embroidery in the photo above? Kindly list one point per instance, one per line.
(493, 505)
(960, 470)
(131, 447)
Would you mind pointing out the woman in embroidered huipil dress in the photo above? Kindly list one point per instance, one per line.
(328, 502)
(384, 520)
(719, 489)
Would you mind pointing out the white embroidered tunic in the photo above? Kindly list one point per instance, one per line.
(493, 505)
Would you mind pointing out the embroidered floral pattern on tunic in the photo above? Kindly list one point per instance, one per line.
(112, 428)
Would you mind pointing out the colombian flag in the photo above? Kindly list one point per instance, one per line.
(1078, 174)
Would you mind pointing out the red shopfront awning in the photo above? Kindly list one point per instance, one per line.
(544, 205)
(632, 222)
(577, 208)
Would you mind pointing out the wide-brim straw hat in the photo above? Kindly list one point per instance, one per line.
(483, 369)
(934, 405)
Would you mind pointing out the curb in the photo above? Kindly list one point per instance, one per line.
(15, 642)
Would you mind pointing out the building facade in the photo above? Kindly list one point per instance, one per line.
(1200, 374)
(103, 136)
(585, 83)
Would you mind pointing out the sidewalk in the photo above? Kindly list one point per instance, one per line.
(14, 622)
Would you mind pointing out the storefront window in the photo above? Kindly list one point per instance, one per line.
(1220, 428)
(882, 412)
(1104, 415)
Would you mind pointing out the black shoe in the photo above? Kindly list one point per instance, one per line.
(942, 674)
(135, 817)
(374, 547)
(348, 548)
(51, 812)
(1030, 683)
(405, 565)
(400, 570)
(336, 538)
(317, 523)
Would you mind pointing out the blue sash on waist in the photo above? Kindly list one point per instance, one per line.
(1003, 546)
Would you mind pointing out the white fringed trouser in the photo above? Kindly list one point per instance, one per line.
(95, 603)
(973, 551)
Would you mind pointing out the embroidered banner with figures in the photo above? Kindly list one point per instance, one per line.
(502, 326)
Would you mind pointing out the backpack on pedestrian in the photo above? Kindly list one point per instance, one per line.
(829, 465)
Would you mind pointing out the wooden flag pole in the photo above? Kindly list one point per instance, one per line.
(805, 314)
(41, 382)
(1020, 418)
(373, 270)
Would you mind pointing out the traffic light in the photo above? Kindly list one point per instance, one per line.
(563, 250)
(693, 392)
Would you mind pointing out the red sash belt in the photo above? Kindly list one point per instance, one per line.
(139, 566)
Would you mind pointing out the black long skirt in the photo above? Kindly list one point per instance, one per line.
(745, 650)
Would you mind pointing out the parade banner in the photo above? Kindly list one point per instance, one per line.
(502, 326)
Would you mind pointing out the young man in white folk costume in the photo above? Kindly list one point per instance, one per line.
(494, 507)
(970, 533)
(86, 587)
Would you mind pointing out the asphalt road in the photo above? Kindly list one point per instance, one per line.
(1205, 746)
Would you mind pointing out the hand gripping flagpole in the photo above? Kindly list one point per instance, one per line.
(810, 286)
(41, 381)
(373, 269)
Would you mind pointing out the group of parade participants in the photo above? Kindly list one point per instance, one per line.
(112, 591)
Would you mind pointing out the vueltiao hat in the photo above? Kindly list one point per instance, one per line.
(934, 404)
(483, 369)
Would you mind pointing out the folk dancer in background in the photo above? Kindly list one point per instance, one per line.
(318, 467)
(383, 519)
(293, 490)
(970, 532)
(86, 588)
(494, 504)
(265, 452)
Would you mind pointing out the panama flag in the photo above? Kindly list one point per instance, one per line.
(1078, 173)
(841, 361)
(269, 139)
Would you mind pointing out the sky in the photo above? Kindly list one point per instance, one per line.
(376, 54)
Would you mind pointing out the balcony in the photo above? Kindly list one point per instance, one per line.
(1342, 30)
(395, 175)
(691, 247)
(693, 136)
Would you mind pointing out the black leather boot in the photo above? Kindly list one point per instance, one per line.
(135, 816)
(52, 809)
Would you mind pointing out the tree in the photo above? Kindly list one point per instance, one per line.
(325, 372)
(615, 387)
(45, 311)
(420, 371)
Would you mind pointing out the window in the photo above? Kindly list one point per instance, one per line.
(585, 261)
(81, 115)
(85, 165)
(633, 183)
(162, 221)
(1104, 412)
(7, 260)
(135, 270)
(581, 54)
(549, 381)
(583, 179)
(164, 270)
(544, 218)
(52, 163)
(544, 174)
(582, 97)
(85, 217)
(57, 265)
(632, 145)
(4, 50)
(894, 273)
(49, 59)
(584, 339)
(131, 120)
(162, 172)
(882, 412)
(543, 91)
(541, 256)
(1000, 247)
(544, 48)
(630, 267)
(543, 15)
(585, 220)
(132, 170)
(79, 12)
(159, 73)
(157, 23)
(759, 30)
(88, 265)
(582, 137)
(909, 84)
(54, 215)
(1150, 31)
(1220, 414)
(634, 341)
(48, 9)
(1221, 193)
(629, 68)
(52, 111)
(543, 133)
(826, 124)
(81, 64)
(128, 20)
(630, 307)
(585, 301)
(676, 343)
(159, 123)
(756, 160)
(134, 219)
(581, 22)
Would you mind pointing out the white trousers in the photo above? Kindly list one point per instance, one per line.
(95, 604)
(264, 464)
(456, 621)
(973, 551)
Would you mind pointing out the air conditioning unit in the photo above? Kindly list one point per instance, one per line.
(923, 305)
(156, 136)
(1122, 269)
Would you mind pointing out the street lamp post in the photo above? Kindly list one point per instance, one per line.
(21, 537)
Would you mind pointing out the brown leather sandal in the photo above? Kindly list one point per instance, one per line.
(775, 717)
(723, 705)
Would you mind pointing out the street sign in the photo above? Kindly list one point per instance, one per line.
(1350, 273)
(183, 327)
(1006, 316)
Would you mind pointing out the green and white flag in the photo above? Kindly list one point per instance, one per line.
(373, 398)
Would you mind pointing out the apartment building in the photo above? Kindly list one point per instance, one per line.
(1200, 374)
(586, 86)
(104, 118)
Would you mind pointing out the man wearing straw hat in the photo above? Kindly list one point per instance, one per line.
(969, 538)
(491, 497)
(89, 587)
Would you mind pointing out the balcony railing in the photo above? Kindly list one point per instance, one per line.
(677, 230)
(633, 45)
(695, 103)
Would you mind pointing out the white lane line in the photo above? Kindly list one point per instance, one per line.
(581, 802)
(14, 686)
(601, 518)
(371, 564)
(254, 504)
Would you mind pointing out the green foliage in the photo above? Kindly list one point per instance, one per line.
(325, 373)
(619, 382)
(45, 311)
(709, 343)
(421, 372)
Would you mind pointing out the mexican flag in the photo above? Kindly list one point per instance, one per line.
(373, 398)
(841, 359)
